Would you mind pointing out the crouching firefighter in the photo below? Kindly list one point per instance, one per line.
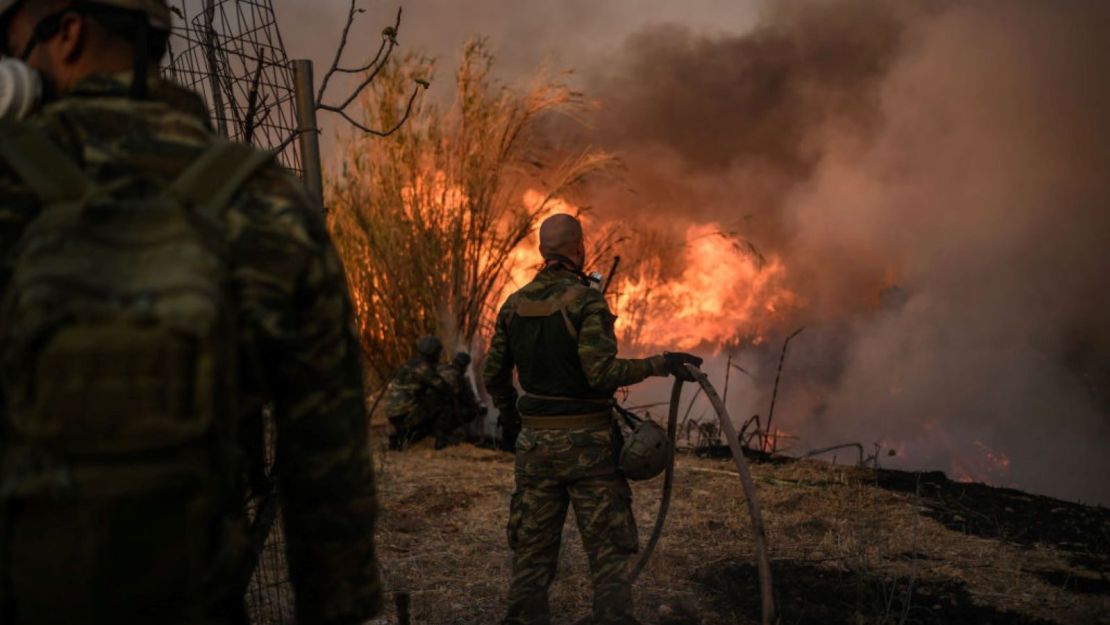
(558, 334)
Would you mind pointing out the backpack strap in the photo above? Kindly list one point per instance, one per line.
(567, 299)
(51, 174)
(212, 180)
(547, 307)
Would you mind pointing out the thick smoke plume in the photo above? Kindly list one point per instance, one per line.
(935, 177)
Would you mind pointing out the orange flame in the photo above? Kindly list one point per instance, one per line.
(988, 465)
(722, 292)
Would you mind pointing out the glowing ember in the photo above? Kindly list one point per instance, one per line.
(986, 465)
(779, 441)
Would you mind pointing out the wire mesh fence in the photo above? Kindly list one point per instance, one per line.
(269, 595)
(232, 54)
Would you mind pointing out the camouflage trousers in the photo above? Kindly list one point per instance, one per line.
(556, 469)
(438, 420)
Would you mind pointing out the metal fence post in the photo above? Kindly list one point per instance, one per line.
(307, 130)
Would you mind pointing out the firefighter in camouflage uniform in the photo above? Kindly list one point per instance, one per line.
(558, 334)
(159, 283)
(418, 400)
(465, 406)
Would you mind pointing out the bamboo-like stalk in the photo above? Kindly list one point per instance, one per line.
(774, 397)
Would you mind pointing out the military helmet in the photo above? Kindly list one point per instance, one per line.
(429, 347)
(646, 451)
(157, 11)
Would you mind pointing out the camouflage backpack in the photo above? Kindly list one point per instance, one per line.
(118, 379)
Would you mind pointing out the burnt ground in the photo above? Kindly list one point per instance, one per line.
(1005, 514)
(848, 545)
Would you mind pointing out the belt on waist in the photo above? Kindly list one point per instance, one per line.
(593, 420)
(604, 402)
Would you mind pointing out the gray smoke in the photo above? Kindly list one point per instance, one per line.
(986, 191)
(958, 152)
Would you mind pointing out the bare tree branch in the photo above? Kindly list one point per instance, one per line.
(389, 41)
(372, 68)
(339, 50)
(775, 394)
(385, 133)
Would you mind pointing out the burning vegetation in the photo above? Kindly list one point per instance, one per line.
(921, 185)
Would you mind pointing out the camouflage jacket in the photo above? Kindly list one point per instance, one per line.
(461, 390)
(551, 360)
(297, 341)
(416, 382)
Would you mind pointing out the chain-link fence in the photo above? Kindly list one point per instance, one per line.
(269, 595)
(231, 52)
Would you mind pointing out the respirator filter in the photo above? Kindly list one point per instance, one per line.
(20, 89)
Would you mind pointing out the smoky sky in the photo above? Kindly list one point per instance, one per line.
(570, 33)
(933, 174)
(952, 155)
(524, 35)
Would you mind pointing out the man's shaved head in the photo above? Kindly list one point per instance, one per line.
(561, 239)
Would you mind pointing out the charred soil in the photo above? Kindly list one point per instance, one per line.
(848, 545)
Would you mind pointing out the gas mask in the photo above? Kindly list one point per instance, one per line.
(21, 89)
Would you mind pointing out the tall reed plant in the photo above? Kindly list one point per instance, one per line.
(427, 220)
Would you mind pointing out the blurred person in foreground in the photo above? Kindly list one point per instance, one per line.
(160, 285)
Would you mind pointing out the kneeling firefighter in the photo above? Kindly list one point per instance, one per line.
(558, 333)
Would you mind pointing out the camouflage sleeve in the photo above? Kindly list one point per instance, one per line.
(498, 371)
(398, 394)
(16, 211)
(597, 349)
(429, 376)
(295, 291)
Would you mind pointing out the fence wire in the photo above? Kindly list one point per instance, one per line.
(232, 54)
(269, 595)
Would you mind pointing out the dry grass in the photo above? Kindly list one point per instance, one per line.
(844, 550)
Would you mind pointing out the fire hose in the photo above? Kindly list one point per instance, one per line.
(763, 563)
